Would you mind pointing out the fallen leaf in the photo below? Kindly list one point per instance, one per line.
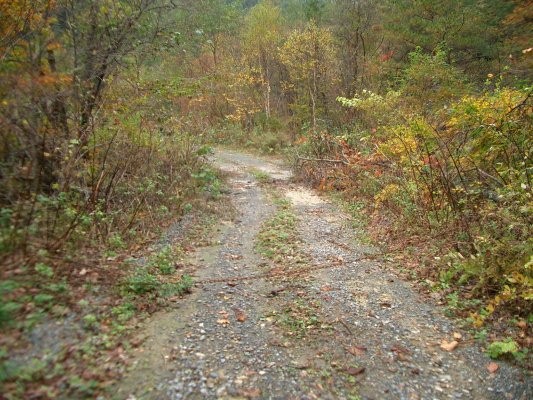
(399, 349)
(355, 371)
(240, 315)
(137, 341)
(457, 336)
(275, 292)
(356, 350)
(400, 353)
(223, 320)
(492, 367)
(338, 260)
(385, 301)
(251, 393)
(449, 346)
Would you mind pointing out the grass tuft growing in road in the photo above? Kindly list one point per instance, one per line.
(277, 238)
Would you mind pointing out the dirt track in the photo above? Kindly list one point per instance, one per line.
(337, 326)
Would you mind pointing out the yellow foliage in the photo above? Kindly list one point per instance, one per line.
(386, 194)
(485, 109)
(308, 53)
(19, 16)
(401, 145)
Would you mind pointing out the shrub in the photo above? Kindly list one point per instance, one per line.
(142, 282)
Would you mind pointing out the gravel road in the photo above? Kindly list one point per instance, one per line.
(343, 328)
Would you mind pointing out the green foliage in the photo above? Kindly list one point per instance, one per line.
(265, 137)
(163, 260)
(276, 238)
(208, 181)
(432, 75)
(298, 317)
(308, 55)
(7, 286)
(178, 288)
(90, 321)
(82, 387)
(467, 28)
(124, 312)
(450, 162)
(261, 176)
(141, 282)
(43, 298)
(7, 312)
(33, 370)
(8, 233)
(262, 30)
(44, 270)
(116, 241)
(507, 347)
(103, 138)
(57, 287)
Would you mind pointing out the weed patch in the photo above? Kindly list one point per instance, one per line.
(297, 317)
(261, 176)
(277, 239)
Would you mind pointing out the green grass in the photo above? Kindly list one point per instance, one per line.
(297, 317)
(277, 239)
(260, 176)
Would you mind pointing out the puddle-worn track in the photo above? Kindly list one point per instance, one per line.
(375, 337)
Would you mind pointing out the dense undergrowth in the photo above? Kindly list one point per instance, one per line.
(65, 249)
(445, 177)
(94, 166)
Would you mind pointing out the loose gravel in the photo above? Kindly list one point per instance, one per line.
(355, 331)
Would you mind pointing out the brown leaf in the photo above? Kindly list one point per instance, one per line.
(492, 367)
(251, 393)
(449, 346)
(385, 301)
(137, 341)
(399, 349)
(355, 371)
(401, 353)
(240, 315)
(87, 375)
(223, 320)
(356, 350)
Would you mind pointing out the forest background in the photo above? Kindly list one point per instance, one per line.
(416, 114)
